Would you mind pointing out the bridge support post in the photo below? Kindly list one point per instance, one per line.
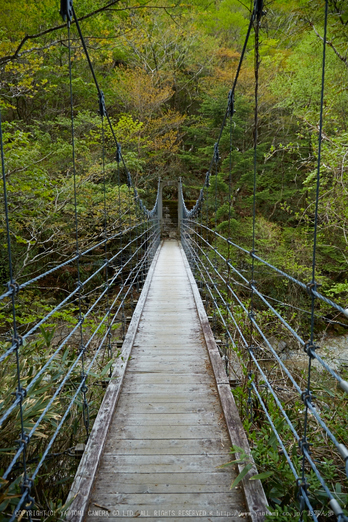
(160, 204)
(180, 207)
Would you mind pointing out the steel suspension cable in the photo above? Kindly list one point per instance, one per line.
(17, 340)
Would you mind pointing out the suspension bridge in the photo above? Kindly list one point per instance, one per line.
(160, 445)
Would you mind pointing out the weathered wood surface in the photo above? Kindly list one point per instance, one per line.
(168, 437)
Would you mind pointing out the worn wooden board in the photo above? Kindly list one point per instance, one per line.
(168, 437)
(170, 487)
(196, 398)
(171, 388)
(164, 447)
(161, 463)
(165, 479)
(168, 432)
(188, 500)
(178, 419)
(139, 379)
(168, 407)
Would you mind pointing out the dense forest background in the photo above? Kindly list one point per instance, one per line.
(166, 70)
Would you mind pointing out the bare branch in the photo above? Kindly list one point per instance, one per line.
(330, 44)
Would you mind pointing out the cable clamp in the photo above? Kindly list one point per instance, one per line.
(251, 349)
(13, 287)
(118, 153)
(20, 393)
(82, 349)
(24, 441)
(26, 488)
(302, 486)
(66, 10)
(252, 283)
(18, 341)
(304, 445)
(102, 109)
(252, 252)
(230, 107)
(216, 153)
(309, 348)
(307, 396)
(312, 286)
(251, 315)
(84, 387)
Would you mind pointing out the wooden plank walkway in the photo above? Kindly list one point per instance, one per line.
(167, 436)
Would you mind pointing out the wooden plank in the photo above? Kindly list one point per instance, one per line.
(81, 488)
(158, 463)
(189, 347)
(142, 379)
(168, 432)
(164, 488)
(169, 388)
(108, 497)
(155, 419)
(183, 367)
(167, 436)
(163, 480)
(197, 397)
(178, 350)
(164, 447)
(131, 406)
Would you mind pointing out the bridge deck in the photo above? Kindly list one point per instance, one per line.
(167, 436)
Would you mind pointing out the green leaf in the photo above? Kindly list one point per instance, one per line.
(261, 476)
(241, 475)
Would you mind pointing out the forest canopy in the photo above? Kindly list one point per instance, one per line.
(166, 70)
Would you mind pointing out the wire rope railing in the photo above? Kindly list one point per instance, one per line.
(240, 319)
(117, 264)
